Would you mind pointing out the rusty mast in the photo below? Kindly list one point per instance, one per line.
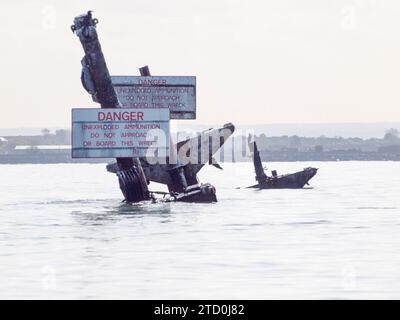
(97, 81)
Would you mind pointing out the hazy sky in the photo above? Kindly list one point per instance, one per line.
(255, 61)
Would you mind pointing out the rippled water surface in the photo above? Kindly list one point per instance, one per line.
(64, 233)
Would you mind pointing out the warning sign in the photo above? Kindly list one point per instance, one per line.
(119, 133)
(178, 94)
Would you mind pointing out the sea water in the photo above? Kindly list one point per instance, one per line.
(65, 234)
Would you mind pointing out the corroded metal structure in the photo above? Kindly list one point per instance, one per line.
(97, 81)
(134, 174)
(287, 181)
(180, 175)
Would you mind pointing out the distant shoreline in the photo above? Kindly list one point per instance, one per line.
(56, 148)
(271, 157)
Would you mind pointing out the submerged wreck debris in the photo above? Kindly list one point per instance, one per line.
(287, 181)
(179, 172)
(191, 155)
(97, 81)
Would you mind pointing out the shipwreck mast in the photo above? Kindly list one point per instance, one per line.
(261, 177)
(97, 81)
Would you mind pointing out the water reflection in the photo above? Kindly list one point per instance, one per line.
(112, 212)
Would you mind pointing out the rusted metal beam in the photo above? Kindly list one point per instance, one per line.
(97, 81)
